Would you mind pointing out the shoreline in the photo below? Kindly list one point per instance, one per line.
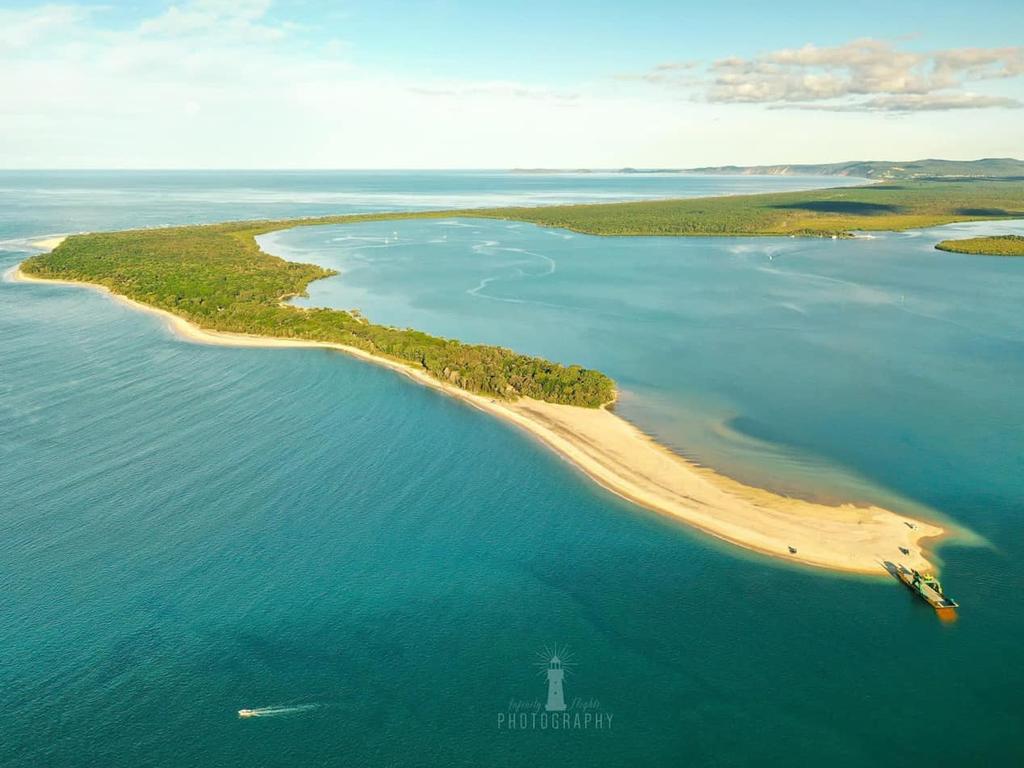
(622, 459)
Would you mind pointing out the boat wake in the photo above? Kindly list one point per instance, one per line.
(489, 247)
(277, 711)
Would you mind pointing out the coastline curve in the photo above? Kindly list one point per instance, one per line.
(618, 456)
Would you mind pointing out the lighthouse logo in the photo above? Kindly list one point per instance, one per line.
(555, 712)
(553, 663)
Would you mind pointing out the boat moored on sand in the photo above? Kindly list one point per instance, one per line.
(928, 588)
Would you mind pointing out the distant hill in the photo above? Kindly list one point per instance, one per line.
(990, 167)
(882, 169)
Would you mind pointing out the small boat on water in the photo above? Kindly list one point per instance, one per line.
(277, 710)
(928, 588)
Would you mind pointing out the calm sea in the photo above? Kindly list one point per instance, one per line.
(186, 531)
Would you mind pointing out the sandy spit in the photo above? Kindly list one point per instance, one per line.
(624, 460)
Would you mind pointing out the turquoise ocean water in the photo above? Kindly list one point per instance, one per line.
(186, 531)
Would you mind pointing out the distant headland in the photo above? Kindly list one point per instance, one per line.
(864, 169)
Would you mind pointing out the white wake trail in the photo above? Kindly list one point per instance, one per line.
(277, 711)
(493, 245)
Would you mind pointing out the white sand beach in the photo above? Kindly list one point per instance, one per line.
(621, 458)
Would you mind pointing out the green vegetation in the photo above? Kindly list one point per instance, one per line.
(883, 169)
(823, 213)
(216, 277)
(997, 245)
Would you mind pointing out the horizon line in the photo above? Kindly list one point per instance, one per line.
(535, 169)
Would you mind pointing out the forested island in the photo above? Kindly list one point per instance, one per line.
(216, 276)
(996, 245)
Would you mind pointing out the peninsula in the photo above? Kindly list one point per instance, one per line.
(212, 284)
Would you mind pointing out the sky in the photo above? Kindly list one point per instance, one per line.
(476, 84)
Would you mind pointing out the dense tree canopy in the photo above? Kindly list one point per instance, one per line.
(996, 245)
(821, 212)
(217, 277)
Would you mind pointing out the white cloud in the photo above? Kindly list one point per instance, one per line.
(865, 74)
(237, 21)
(21, 29)
(221, 84)
(497, 88)
(916, 102)
(230, 84)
